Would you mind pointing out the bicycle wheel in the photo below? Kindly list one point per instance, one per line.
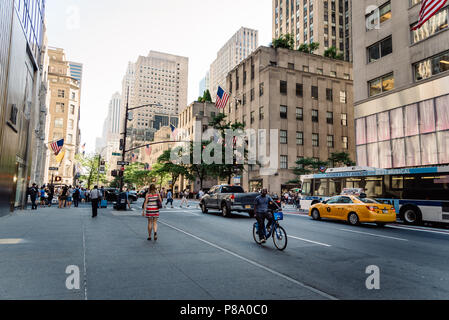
(256, 234)
(280, 238)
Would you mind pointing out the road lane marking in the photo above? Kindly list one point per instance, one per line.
(84, 262)
(319, 292)
(11, 241)
(318, 243)
(180, 211)
(374, 235)
(418, 229)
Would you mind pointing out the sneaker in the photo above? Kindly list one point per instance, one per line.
(263, 240)
(155, 236)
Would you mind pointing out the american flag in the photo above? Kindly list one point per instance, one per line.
(174, 132)
(222, 98)
(428, 10)
(56, 146)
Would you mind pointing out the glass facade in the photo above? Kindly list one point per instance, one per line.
(409, 136)
(31, 16)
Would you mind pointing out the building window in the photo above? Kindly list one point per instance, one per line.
(384, 14)
(291, 66)
(252, 94)
(283, 137)
(305, 68)
(300, 114)
(261, 89)
(243, 100)
(330, 117)
(300, 138)
(283, 87)
(381, 84)
(319, 71)
(329, 95)
(252, 117)
(283, 112)
(380, 49)
(431, 67)
(70, 125)
(261, 115)
(314, 92)
(59, 123)
(59, 107)
(61, 93)
(345, 142)
(432, 26)
(342, 96)
(315, 140)
(344, 119)
(69, 138)
(330, 141)
(284, 162)
(333, 74)
(72, 109)
(315, 116)
(299, 89)
(73, 96)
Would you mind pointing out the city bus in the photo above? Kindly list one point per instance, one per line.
(418, 194)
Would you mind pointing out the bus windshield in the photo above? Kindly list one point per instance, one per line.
(367, 200)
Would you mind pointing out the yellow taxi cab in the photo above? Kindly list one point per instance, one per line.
(355, 210)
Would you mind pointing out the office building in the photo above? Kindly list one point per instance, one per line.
(204, 84)
(306, 98)
(237, 48)
(401, 85)
(64, 116)
(21, 114)
(327, 22)
(76, 71)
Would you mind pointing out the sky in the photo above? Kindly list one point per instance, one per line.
(105, 35)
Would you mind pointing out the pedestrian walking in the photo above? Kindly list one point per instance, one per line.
(95, 197)
(63, 197)
(70, 192)
(42, 195)
(184, 195)
(169, 199)
(51, 193)
(76, 196)
(83, 195)
(153, 203)
(33, 192)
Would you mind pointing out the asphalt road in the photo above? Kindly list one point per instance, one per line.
(206, 256)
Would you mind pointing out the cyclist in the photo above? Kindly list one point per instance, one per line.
(261, 212)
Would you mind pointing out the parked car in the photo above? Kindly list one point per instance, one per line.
(228, 198)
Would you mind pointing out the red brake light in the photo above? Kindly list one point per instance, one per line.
(232, 197)
(372, 208)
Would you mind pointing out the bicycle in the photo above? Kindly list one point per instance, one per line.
(276, 231)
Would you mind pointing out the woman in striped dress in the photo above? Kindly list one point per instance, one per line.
(151, 210)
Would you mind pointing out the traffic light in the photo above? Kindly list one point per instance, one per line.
(122, 142)
(120, 173)
(114, 173)
(102, 163)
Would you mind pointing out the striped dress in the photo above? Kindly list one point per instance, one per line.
(152, 209)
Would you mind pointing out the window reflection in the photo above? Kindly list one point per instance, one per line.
(435, 24)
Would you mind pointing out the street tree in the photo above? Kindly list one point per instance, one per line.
(175, 171)
(341, 158)
(89, 165)
(308, 166)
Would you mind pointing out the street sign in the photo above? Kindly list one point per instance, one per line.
(53, 169)
(116, 154)
(122, 163)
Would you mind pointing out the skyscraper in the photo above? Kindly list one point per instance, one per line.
(323, 21)
(204, 84)
(76, 71)
(236, 49)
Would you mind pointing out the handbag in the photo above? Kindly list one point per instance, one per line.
(159, 203)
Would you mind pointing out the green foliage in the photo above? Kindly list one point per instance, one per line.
(308, 166)
(226, 171)
(206, 97)
(341, 158)
(89, 170)
(309, 48)
(286, 41)
(172, 169)
(333, 53)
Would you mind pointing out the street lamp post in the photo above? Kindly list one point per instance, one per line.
(124, 151)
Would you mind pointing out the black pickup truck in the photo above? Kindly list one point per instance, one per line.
(228, 199)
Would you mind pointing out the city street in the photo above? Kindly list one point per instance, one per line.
(207, 257)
